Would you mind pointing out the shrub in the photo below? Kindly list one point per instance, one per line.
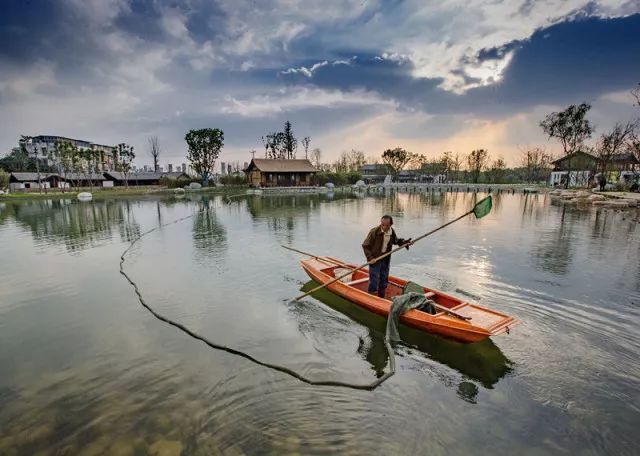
(176, 183)
(337, 179)
(233, 180)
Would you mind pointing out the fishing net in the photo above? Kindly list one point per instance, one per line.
(483, 207)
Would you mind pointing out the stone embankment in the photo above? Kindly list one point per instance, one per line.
(585, 197)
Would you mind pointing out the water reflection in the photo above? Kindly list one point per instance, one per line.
(77, 225)
(209, 235)
(483, 362)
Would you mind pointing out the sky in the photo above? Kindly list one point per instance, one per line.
(428, 76)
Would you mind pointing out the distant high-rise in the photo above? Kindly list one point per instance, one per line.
(145, 168)
(229, 168)
(223, 169)
(170, 167)
(184, 167)
(160, 169)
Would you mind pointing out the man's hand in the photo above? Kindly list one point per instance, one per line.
(408, 243)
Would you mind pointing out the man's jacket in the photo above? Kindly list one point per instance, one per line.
(372, 245)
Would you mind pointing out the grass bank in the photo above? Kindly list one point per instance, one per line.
(111, 192)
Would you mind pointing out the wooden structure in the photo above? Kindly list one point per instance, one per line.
(266, 172)
(456, 318)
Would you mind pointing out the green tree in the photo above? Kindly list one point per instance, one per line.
(476, 163)
(289, 141)
(4, 179)
(570, 127)
(123, 156)
(397, 159)
(204, 148)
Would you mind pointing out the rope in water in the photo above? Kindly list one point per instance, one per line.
(233, 351)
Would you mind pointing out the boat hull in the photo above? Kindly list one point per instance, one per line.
(482, 322)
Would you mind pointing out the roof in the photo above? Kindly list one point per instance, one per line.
(30, 177)
(627, 157)
(271, 165)
(142, 175)
(82, 176)
(573, 154)
(120, 176)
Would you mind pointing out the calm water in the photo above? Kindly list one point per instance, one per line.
(84, 369)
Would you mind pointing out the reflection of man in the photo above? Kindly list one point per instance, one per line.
(379, 241)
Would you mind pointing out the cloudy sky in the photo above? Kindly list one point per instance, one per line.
(426, 75)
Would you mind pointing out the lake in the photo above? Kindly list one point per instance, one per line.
(85, 369)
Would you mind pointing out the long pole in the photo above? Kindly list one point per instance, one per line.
(375, 260)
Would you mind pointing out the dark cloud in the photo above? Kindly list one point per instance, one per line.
(569, 62)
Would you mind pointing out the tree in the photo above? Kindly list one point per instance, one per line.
(454, 163)
(4, 179)
(154, 151)
(397, 159)
(612, 143)
(305, 143)
(497, 170)
(536, 163)
(204, 148)
(289, 142)
(570, 127)
(17, 160)
(316, 157)
(67, 156)
(636, 94)
(476, 163)
(123, 157)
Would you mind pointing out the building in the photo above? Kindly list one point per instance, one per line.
(374, 173)
(223, 169)
(265, 172)
(575, 170)
(184, 168)
(170, 167)
(119, 179)
(580, 169)
(22, 181)
(43, 148)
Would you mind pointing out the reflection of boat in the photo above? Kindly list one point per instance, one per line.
(473, 323)
(483, 362)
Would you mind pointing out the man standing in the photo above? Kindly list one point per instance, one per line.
(379, 241)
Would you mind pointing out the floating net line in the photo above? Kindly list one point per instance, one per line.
(217, 346)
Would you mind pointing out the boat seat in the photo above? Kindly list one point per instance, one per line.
(429, 294)
(358, 281)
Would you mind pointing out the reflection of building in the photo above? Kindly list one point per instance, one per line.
(265, 172)
(44, 149)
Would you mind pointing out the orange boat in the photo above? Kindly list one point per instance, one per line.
(456, 318)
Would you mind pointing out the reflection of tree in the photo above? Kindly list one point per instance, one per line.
(209, 236)
(553, 251)
(77, 225)
(482, 362)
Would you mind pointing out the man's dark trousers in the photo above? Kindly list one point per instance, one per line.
(379, 277)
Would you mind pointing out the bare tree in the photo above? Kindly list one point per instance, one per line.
(316, 157)
(305, 143)
(477, 162)
(497, 170)
(636, 94)
(154, 151)
(536, 162)
(612, 143)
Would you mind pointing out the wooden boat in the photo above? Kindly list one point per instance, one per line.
(473, 323)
